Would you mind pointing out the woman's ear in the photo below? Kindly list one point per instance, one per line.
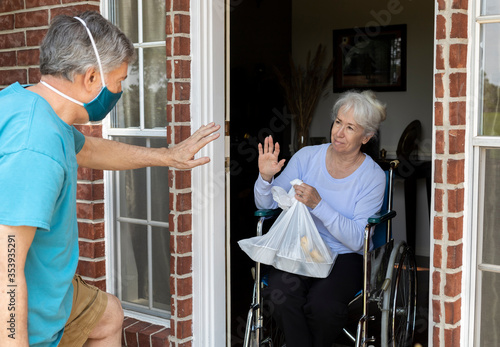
(367, 138)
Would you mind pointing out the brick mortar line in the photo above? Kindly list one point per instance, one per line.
(90, 221)
(169, 13)
(448, 326)
(174, 35)
(182, 277)
(449, 215)
(183, 255)
(449, 243)
(17, 49)
(179, 102)
(173, 124)
(184, 297)
(92, 260)
(91, 240)
(181, 80)
(17, 67)
(184, 319)
(89, 202)
(86, 278)
(180, 57)
(177, 255)
(456, 156)
(181, 190)
(449, 186)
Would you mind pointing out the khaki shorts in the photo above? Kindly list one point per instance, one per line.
(89, 304)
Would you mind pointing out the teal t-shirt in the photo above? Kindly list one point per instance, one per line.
(38, 176)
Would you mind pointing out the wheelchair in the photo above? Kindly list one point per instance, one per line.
(383, 313)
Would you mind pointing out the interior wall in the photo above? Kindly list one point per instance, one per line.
(313, 22)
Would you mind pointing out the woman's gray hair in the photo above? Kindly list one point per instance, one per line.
(66, 50)
(368, 111)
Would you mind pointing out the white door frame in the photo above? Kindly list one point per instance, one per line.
(207, 105)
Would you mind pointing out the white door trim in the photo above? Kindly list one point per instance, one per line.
(208, 197)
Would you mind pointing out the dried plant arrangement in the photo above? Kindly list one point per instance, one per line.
(303, 88)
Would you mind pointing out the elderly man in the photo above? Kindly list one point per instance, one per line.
(83, 61)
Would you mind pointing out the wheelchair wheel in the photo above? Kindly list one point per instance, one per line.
(263, 332)
(272, 336)
(399, 306)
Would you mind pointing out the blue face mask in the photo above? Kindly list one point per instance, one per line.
(104, 102)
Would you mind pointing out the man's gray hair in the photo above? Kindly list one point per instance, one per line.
(368, 111)
(67, 50)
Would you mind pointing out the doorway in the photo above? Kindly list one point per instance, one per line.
(260, 41)
(263, 35)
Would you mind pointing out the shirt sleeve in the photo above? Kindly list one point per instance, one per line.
(79, 140)
(31, 183)
(263, 195)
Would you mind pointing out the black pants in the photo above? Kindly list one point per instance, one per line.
(313, 311)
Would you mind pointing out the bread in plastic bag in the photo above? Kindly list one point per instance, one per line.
(293, 244)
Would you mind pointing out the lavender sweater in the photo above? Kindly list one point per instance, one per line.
(346, 203)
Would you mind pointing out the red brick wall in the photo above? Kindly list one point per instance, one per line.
(178, 115)
(23, 24)
(450, 131)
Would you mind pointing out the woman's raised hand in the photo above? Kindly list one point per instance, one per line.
(268, 159)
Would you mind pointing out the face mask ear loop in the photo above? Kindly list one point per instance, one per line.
(95, 50)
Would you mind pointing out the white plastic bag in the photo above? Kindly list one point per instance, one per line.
(293, 244)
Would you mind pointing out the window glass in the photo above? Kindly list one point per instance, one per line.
(122, 10)
(134, 263)
(490, 309)
(490, 76)
(490, 7)
(127, 112)
(154, 17)
(132, 186)
(161, 268)
(491, 217)
(159, 180)
(155, 87)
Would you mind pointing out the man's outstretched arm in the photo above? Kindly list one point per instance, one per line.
(98, 153)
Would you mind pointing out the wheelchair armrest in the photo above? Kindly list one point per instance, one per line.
(381, 217)
(267, 213)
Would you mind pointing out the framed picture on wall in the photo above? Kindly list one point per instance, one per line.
(370, 58)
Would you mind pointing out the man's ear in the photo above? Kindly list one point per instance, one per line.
(90, 79)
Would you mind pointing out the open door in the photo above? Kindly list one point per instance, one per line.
(258, 40)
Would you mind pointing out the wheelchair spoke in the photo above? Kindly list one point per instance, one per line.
(404, 301)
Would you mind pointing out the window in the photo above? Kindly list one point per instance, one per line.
(486, 144)
(138, 200)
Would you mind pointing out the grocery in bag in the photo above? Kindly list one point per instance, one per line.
(293, 244)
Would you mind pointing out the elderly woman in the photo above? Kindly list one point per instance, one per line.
(342, 188)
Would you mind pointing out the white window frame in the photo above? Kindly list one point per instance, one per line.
(473, 231)
(110, 182)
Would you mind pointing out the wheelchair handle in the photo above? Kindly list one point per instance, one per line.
(267, 213)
